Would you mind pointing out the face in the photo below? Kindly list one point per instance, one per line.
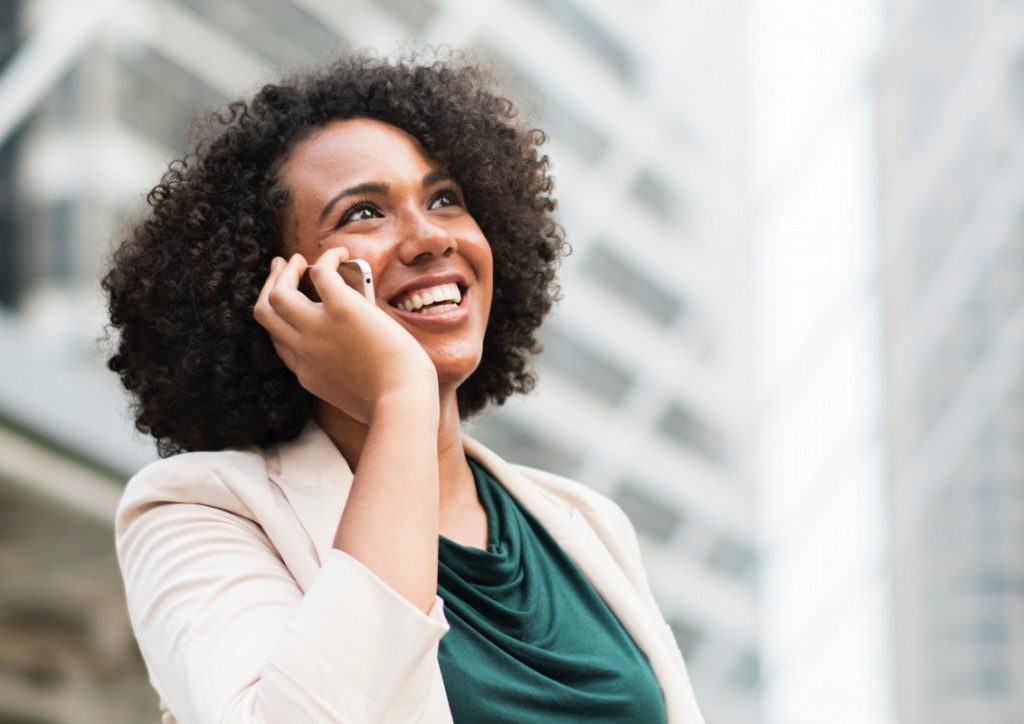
(369, 186)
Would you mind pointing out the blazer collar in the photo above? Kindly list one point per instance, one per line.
(316, 480)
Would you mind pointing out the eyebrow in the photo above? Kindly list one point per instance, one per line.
(376, 187)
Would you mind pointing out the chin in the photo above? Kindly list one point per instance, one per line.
(453, 372)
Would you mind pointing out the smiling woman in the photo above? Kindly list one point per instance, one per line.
(323, 543)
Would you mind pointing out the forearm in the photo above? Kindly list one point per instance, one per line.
(390, 523)
(229, 636)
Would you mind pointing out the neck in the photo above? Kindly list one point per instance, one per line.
(455, 476)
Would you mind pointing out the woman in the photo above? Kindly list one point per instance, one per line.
(329, 547)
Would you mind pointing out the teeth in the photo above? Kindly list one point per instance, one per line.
(443, 293)
(440, 308)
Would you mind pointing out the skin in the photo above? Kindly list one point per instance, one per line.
(385, 379)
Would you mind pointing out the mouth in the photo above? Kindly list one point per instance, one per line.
(430, 300)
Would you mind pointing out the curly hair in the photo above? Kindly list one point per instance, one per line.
(182, 285)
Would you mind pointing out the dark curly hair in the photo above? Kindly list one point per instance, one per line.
(182, 285)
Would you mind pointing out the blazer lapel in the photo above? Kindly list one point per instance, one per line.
(316, 480)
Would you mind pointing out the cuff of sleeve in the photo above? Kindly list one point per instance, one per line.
(365, 632)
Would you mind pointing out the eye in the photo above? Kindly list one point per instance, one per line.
(443, 199)
(360, 211)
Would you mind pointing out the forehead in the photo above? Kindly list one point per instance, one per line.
(356, 150)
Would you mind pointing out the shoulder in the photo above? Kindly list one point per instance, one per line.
(596, 508)
(225, 479)
(540, 490)
(571, 510)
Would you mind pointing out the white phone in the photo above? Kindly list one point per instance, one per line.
(355, 272)
(358, 275)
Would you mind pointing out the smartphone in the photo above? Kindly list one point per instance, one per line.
(355, 272)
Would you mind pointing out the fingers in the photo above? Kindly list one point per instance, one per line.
(332, 258)
(325, 277)
(288, 280)
(276, 307)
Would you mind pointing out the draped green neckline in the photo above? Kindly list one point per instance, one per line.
(530, 638)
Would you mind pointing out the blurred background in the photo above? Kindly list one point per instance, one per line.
(791, 344)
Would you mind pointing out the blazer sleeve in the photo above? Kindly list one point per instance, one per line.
(228, 635)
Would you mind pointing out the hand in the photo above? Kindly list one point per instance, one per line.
(346, 352)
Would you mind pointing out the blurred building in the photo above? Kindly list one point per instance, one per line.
(823, 504)
(646, 383)
(951, 110)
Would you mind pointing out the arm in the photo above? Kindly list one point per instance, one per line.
(356, 359)
(229, 637)
(391, 519)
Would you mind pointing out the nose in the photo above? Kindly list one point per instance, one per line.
(423, 238)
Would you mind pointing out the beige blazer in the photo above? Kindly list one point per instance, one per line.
(244, 611)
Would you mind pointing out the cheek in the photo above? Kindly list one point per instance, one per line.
(487, 271)
(359, 249)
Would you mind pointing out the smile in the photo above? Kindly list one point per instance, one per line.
(431, 300)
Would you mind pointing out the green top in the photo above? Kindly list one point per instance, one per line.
(530, 638)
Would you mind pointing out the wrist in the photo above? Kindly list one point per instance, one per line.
(414, 401)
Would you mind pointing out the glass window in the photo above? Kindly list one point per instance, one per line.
(62, 232)
(413, 13)
(730, 557)
(653, 516)
(64, 104)
(579, 363)
(525, 446)
(679, 425)
(1016, 85)
(279, 30)
(568, 128)
(745, 673)
(589, 33)
(627, 280)
(655, 194)
(688, 634)
(10, 283)
(160, 99)
(11, 222)
(562, 123)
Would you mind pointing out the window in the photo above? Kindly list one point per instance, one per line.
(280, 31)
(730, 558)
(605, 48)
(160, 99)
(680, 426)
(655, 194)
(60, 262)
(415, 14)
(567, 127)
(745, 674)
(587, 368)
(656, 518)
(562, 123)
(687, 633)
(628, 281)
(1015, 83)
(525, 446)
